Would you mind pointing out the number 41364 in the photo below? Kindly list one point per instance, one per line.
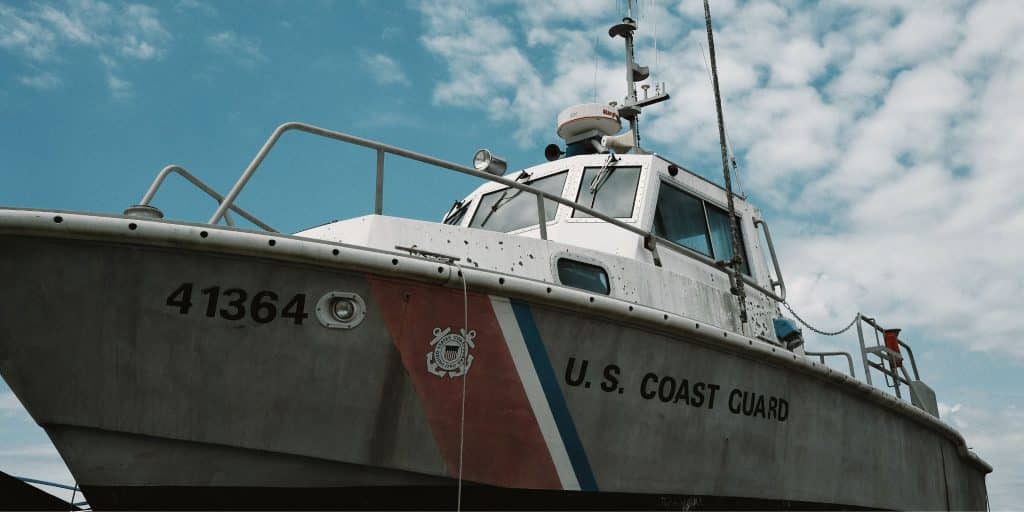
(235, 304)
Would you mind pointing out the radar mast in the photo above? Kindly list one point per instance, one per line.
(632, 106)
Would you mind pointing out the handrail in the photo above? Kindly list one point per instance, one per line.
(650, 241)
(821, 356)
(412, 155)
(166, 171)
(888, 372)
(913, 363)
(775, 260)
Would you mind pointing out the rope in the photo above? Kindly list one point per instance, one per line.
(815, 329)
(465, 378)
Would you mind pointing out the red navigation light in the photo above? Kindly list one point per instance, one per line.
(892, 342)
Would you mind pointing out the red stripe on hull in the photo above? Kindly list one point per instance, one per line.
(503, 443)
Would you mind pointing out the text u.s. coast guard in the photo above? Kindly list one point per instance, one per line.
(680, 390)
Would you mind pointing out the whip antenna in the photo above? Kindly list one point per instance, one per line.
(736, 262)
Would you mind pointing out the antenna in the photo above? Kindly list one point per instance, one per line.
(655, 68)
(736, 262)
(631, 106)
(595, 67)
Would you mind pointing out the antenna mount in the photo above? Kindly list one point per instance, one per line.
(631, 106)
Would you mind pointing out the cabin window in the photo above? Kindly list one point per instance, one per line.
(695, 224)
(583, 276)
(615, 191)
(510, 209)
(721, 236)
(458, 211)
(679, 217)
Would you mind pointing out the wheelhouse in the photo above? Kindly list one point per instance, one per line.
(687, 213)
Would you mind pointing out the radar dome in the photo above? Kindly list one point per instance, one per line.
(587, 120)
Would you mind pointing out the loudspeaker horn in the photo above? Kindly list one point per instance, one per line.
(619, 143)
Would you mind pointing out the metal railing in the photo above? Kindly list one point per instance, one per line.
(167, 171)
(890, 361)
(760, 223)
(822, 355)
(650, 240)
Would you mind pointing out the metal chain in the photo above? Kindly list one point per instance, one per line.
(815, 329)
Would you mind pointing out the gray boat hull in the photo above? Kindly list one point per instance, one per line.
(202, 404)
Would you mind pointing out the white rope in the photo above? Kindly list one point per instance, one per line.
(465, 377)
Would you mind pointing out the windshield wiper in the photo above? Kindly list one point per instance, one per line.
(602, 176)
(501, 199)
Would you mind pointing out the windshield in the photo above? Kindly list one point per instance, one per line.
(511, 209)
(614, 195)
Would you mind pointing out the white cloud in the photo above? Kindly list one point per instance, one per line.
(73, 29)
(23, 35)
(384, 69)
(119, 88)
(144, 20)
(196, 5)
(998, 434)
(116, 31)
(242, 50)
(42, 81)
(487, 70)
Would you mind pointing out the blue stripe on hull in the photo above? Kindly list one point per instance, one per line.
(546, 374)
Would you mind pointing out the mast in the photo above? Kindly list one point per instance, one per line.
(632, 106)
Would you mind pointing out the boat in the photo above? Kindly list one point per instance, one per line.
(601, 330)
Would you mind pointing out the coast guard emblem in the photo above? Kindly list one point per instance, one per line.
(450, 354)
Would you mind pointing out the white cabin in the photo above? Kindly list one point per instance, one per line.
(496, 227)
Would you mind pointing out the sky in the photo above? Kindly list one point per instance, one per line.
(882, 140)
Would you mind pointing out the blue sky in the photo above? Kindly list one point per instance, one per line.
(882, 140)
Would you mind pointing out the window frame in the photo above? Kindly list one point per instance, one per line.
(554, 217)
(634, 204)
(459, 211)
(642, 190)
(704, 200)
(583, 260)
(743, 241)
